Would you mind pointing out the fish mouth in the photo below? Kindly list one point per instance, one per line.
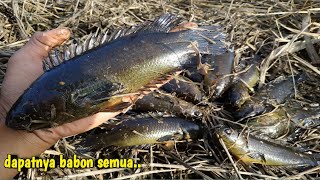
(18, 124)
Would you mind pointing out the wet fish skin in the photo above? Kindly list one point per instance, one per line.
(93, 81)
(273, 124)
(140, 131)
(253, 150)
(162, 102)
(218, 79)
(194, 75)
(284, 119)
(184, 89)
(239, 90)
(268, 96)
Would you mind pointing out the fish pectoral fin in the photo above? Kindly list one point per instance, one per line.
(173, 137)
(105, 93)
(95, 93)
(40, 124)
(257, 156)
(203, 69)
(92, 142)
(165, 138)
(115, 108)
(168, 145)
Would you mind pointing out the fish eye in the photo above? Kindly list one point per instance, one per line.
(228, 131)
(197, 113)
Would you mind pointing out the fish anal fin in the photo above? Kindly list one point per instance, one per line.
(157, 83)
(259, 157)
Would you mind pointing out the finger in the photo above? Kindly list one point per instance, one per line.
(26, 64)
(41, 43)
(82, 125)
(184, 26)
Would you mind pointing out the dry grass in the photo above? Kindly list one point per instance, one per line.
(284, 32)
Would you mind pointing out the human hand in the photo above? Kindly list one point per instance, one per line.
(24, 67)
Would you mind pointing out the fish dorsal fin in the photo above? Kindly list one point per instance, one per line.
(163, 23)
(77, 47)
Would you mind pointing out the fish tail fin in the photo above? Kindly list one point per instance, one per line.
(208, 40)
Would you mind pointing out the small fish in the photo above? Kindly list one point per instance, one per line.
(251, 150)
(239, 90)
(163, 102)
(141, 131)
(125, 64)
(184, 89)
(284, 119)
(218, 78)
(193, 74)
(268, 97)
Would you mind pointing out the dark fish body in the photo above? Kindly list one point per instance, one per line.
(184, 89)
(239, 91)
(252, 150)
(98, 79)
(134, 132)
(161, 102)
(194, 75)
(218, 78)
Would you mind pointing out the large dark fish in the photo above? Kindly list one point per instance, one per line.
(127, 64)
(134, 132)
(252, 150)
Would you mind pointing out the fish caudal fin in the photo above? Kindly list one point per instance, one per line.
(207, 40)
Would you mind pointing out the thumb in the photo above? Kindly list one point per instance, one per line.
(41, 43)
(25, 65)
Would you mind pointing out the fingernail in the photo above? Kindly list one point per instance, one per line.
(64, 32)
